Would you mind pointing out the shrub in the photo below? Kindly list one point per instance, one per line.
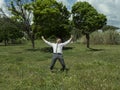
(96, 38)
(19, 41)
(111, 37)
(107, 37)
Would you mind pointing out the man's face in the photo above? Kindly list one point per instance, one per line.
(58, 40)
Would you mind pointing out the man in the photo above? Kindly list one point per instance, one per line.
(57, 52)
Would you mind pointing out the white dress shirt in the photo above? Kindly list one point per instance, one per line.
(57, 47)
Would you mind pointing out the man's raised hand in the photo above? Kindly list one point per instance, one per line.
(71, 36)
(42, 37)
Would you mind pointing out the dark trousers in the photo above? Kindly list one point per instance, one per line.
(57, 56)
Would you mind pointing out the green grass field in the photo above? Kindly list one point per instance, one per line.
(22, 68)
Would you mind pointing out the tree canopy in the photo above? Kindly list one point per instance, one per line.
(87, 19)
(51, 18)
(9, 31)
(22, 12)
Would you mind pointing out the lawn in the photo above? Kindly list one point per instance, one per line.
(22, 68)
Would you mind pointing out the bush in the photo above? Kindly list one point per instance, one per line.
(107, 37)
(111, 37)
(19, 41)
(96, 38)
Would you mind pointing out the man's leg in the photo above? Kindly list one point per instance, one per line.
(61, 59)
(54, 58)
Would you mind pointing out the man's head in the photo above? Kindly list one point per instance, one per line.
(58, 40)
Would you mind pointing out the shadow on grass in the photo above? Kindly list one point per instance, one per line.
(1, 45)
(57, 70)
(93, 49)
(33, 50)
(47, 49)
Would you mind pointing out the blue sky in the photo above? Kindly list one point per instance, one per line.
(108, 7)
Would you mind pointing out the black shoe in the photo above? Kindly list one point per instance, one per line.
(52, 71)
(62, 69)
(67, 69)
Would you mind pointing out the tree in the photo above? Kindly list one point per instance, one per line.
(22, 12)
(51, 18)
(87, 19)
(9, 31)
(75, 31)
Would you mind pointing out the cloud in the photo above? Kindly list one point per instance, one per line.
(108, 7)
(67, 3)
(2, 3)
(4, 7)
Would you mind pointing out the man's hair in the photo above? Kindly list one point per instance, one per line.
(58, 40)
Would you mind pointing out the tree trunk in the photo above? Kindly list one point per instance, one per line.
(88, 40)
(33, 42)
(32, 39)
(5, 42)
(30, 34)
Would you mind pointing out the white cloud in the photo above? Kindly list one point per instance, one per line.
(2, 3)
(108, 7)
(65, 2)
(4, 7)
(104, 9)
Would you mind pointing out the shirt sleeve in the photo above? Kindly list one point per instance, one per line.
(66, 42)
(49, 43)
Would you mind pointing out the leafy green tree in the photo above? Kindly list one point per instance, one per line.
(22, 12)
(51, 18)
(87, 19)
(9, 31)
(4, 34)
(75, 31)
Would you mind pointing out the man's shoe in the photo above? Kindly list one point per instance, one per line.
(62, 69)
(52, 71)
(67, 69)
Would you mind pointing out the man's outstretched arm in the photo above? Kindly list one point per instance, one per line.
(49, 43)
(68, 41)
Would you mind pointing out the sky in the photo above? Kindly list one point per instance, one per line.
(110, 8)
(3, 6)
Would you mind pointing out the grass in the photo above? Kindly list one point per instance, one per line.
(22, 68)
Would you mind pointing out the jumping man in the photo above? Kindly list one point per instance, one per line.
(57, 51)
